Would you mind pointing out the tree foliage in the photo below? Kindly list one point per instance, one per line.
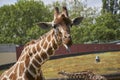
(111, 6)
(17, 21)
(110, 26)
(106, 29)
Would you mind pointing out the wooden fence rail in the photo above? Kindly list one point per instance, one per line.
(80, 48)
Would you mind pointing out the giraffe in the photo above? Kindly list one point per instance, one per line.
(37, 52)
(83, 75)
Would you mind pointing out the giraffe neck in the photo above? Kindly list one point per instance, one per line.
(38, 52)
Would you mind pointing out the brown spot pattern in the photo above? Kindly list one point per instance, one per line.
(33, 50)
(28, 76)
(45, 45)
(30, 54)
(9, 71)
(37, 57)
(36, 63)
(40, 77)
(29, 43)
(48, 38)
(21, 69)
(4, 78)
(13, 76)
(54, 44)
(42, 42)
(50, 51)
(32, 69)
(44, 55)
(16, 67)
(38, 47)
(27, 60)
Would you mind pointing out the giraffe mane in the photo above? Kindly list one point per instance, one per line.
(35, 41)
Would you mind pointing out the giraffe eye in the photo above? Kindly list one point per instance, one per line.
(55, 25)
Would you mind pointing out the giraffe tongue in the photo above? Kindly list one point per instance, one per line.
(68, 49)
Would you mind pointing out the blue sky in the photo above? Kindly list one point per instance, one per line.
(2, 2)
(90, 3)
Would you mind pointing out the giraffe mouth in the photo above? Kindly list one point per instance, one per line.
(67, 48)
(67, 42)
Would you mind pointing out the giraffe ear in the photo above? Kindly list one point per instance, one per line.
(44, 25)
(77, 21)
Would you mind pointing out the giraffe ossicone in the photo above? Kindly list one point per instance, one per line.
(37, 52)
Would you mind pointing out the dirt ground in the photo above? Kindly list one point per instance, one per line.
(7, 57)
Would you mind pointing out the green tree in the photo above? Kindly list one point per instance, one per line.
(110, 6)
(17, 21)
(106, 28)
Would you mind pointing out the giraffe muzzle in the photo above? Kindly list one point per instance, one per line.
(67, 42)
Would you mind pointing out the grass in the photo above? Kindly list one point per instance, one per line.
(110, 63)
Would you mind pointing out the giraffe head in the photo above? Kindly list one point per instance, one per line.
(62, 24)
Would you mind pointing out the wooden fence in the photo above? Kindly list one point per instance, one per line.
(80, 48)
